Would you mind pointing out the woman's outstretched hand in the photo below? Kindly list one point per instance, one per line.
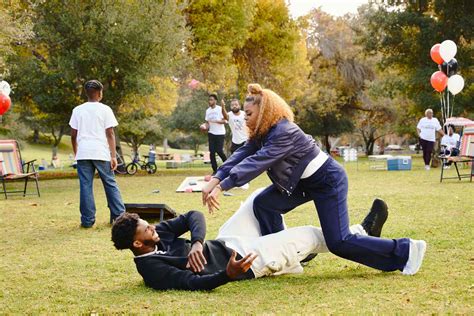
(207, 189)
(212, 200)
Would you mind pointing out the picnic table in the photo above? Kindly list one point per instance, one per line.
(164, 156)
(378, 162)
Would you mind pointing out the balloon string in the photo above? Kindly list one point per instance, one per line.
(441, 99)
(449, 106)
(452, 106)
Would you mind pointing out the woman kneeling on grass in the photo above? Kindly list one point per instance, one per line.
(301, 172)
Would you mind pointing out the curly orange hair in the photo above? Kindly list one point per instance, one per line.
(272, 109)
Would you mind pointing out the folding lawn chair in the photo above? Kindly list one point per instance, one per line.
(466, 155)
(13, 169)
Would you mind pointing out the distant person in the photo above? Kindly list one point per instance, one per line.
(166, 260)
(427, 128)
(450, 141)
(215, 117)
(93, 141)
(450, 144)
(236, 119)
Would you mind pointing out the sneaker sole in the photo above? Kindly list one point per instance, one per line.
(421, 247)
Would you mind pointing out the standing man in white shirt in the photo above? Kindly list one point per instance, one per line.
(215, 117)
(427, 128)
(93, 141)
(236, 119)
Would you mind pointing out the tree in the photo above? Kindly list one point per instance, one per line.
(338, 77)
(404, 32)
(274, 54)
(218, 29)
(379, 116)
(123, 44)
(16, 28)
(189, 114)
(242, 41)
(143, 117)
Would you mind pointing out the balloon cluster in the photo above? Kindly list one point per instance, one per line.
(443, 54)
(5, 101)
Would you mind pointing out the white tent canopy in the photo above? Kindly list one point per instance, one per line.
(458, 121)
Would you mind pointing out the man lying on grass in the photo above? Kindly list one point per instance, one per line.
(166, 261)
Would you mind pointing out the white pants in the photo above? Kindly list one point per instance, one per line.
(278, 253)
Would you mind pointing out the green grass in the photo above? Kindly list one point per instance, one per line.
(49, 265)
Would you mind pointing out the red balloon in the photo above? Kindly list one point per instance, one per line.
(5, 103)
(193, 84)
(439, 81)
(434, 53)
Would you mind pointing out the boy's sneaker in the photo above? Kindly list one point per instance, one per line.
(427, 167)
(415, 257)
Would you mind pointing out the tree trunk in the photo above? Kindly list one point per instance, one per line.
(135, 148)
(165, 145)
(36, 136)
(196, 148)
(57, 141)
(327, 144)
(370, 147)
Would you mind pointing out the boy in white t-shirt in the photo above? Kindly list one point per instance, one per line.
(93, 141)
(215, 117)
(427, 128)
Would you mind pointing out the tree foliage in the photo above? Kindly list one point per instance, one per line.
(404, 32)
(274, 54)
(189, 114)
(16, 28)
(121, 43)
(143, 117)
(218, 29)
(241, 41)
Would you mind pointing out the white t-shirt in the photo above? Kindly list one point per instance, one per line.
(91, 119)
(428, 128)
(450, 141)
(238, 128)
(214, 114)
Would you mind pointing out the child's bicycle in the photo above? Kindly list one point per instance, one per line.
(145, 164)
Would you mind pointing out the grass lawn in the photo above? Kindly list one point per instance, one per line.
(50, 265)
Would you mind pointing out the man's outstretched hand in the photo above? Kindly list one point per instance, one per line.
(238, 267)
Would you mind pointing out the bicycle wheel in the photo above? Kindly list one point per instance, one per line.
(151, 167)
(132, 168)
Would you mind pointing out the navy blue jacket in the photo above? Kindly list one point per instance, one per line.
(284, 152)
(167, 270)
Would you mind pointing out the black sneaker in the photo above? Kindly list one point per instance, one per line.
(377, 216)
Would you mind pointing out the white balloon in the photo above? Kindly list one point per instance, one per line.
(5, 88)
(448, 50)
(455, 84)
